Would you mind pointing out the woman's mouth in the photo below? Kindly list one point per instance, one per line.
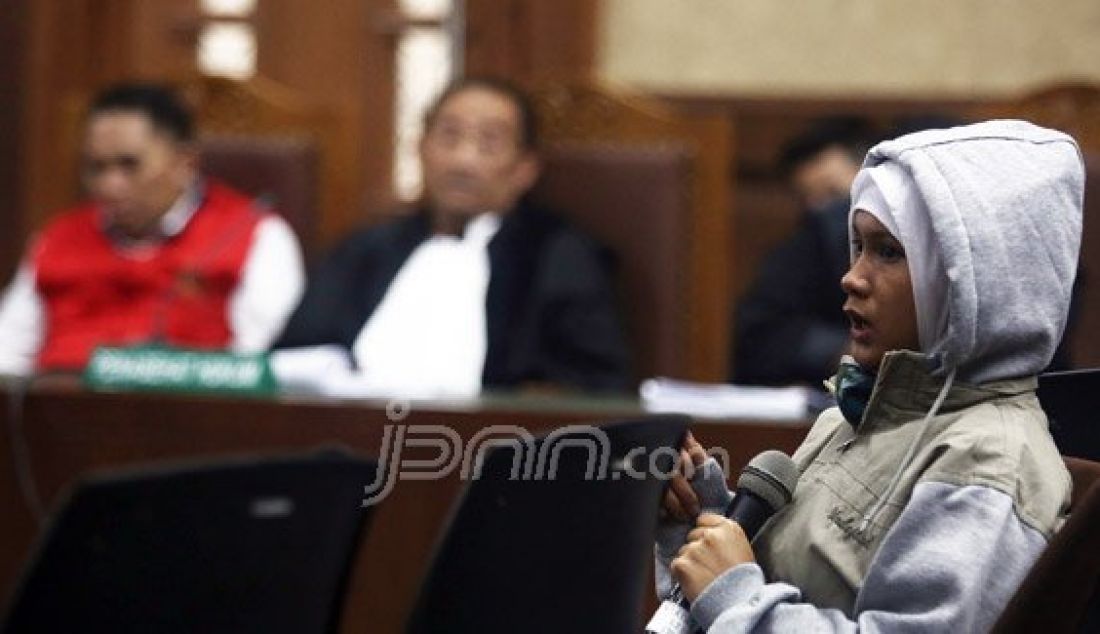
(860, 328)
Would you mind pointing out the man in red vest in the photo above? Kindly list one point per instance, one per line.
(157, 255)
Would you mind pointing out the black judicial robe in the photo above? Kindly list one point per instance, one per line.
(550, 307)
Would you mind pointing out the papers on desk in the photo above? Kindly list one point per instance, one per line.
(715, 400)
(307, 369)
(328, 371)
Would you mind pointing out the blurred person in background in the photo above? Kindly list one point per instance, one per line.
(157, 255)
(479, 288)
(788, 326)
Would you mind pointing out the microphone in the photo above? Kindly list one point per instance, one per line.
(765, 485)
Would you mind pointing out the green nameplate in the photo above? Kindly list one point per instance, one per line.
(176, 370)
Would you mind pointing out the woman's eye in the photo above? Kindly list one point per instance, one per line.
(890, 252)
(857, 247)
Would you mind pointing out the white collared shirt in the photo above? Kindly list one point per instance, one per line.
(272, 282)
(428, 335)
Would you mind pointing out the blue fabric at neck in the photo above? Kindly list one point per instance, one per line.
(854, 386)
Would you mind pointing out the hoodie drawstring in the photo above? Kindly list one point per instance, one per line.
(913, 445)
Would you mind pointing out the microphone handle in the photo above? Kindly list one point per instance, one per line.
(750, 512)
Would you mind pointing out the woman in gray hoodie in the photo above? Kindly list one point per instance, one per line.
(928, 492)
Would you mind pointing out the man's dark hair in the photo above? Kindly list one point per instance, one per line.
(164, 109)
(850, 133)
(528, 126)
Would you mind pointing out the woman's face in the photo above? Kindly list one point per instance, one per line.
(880, 304)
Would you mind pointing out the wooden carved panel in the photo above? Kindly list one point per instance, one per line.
(1072, 107)
(589, 113)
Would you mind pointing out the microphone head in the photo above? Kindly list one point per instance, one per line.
(771, 476)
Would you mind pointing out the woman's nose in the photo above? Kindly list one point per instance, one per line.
(855, 282)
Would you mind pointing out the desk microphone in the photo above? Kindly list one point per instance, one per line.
(765, 485)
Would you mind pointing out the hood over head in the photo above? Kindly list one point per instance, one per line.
(990, 217)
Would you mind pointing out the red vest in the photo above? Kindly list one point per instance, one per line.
(176, 293)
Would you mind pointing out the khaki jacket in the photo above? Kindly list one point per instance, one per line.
(993, 435)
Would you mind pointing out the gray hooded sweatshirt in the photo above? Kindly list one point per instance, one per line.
(926, 515)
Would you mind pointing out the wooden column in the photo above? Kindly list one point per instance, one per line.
(67, 49)
(343, 58)
(531, 40)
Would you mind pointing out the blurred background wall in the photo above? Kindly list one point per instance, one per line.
(966, 48)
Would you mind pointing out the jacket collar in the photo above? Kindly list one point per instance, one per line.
(906, 383)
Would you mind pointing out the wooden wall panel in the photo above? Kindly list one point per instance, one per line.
(12, 91)
(531, 40)
(70, 47)
(341, 58)
(160, 39)
(579, 113)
